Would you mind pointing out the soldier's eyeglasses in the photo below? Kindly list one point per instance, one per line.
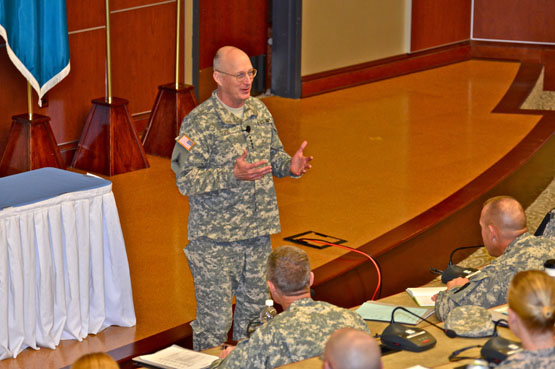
(242, 75)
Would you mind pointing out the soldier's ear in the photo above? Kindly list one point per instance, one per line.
(272, 288)
(217, 78)
(311, 279)
(514, 322)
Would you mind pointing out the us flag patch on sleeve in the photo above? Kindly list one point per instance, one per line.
(185, 141)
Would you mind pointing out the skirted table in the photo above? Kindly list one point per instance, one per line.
(63, 266)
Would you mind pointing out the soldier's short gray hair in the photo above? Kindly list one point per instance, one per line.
(288, 269)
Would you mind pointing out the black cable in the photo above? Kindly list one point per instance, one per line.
(461, 248)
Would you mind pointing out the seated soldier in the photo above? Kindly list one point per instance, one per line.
(349, 348)
(531, 318)
(301, 330)
(506, 237)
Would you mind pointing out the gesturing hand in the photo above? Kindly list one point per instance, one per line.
(299, 162)
(250, 171)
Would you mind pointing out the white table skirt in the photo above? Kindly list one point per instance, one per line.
(63, 271)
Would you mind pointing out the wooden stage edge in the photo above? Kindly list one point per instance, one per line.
(395, 66)
(428, 239)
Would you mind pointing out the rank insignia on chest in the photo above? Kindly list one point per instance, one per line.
(185, 141)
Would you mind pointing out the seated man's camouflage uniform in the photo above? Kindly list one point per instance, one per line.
(530, 359)
(489, 287)
(296, 334)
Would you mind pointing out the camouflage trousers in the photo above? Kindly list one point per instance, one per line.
(220, 271)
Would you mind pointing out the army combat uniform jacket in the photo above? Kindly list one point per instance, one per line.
(528, 359)
(211, 138)
(489, 287)
(298, 333)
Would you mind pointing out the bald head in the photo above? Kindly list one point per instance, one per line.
(226, 55)
(502, 220)
(349, 348)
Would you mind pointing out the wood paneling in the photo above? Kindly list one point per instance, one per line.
(526, 53)
(549, 76)
(81, 16)
(241, 23)
(515, 20)
(143, 53)
(439, 22)
(13, 95)
(126, 4)
(70, 101)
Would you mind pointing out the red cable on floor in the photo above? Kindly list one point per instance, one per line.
(357, 251)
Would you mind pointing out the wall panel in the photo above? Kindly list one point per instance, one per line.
(439, 22)
(81, 17)
(143, 53)
(515, 20)
(69, 102)
(338, 34)
(241, 23)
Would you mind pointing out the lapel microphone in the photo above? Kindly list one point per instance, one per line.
(248, 130)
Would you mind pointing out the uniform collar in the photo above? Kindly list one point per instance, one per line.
(228, 117)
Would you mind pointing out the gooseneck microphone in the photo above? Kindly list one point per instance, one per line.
(448, 332)
(247, 129)
(455, 271)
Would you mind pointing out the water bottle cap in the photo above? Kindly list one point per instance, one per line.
(269, 302)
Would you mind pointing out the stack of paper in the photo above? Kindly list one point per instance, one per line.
(176, 357)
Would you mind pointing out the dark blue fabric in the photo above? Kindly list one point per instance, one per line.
(44, 183)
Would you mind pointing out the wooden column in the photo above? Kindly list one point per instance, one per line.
(31, 145)
(109, 144)
(170, 107)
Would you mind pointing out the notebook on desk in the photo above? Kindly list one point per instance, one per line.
(423, 295)
(372, 310)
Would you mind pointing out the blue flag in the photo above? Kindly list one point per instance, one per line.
(36, 38)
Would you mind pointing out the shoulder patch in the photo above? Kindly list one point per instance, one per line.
(185, 141)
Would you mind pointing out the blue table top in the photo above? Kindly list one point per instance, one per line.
(44, 183)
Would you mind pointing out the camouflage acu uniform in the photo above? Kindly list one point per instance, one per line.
(296, 334)
(229, 220)
(549, 230)
(527, 359)
(489, 288)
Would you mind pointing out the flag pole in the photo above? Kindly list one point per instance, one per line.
(108, 57)
(29, 101)
(177, 44)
